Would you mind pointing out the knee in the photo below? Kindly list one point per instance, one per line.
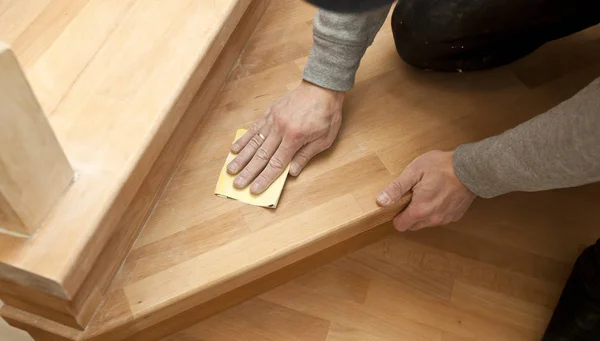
(426, 34)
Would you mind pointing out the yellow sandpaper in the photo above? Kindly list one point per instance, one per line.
(268, 198)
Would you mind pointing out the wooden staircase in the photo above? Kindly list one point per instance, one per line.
(198, 254)
(117, 102)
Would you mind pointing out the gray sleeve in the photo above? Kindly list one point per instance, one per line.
(339, 43)
(557, 149)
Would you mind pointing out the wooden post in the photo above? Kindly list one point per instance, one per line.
(34, 171)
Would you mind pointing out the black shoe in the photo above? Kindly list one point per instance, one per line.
(577, 315)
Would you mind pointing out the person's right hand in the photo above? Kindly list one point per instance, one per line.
(301, 124)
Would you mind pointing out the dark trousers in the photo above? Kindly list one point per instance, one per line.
(467, 35)
(577, 314)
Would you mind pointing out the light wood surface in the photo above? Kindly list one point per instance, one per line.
(495, 275)
(140, 80)
(461, 282)
(77, 312)
(34, 171)
(197, 248)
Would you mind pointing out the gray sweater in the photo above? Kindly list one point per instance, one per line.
(557, 149)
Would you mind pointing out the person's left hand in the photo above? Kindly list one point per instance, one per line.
(438, 197)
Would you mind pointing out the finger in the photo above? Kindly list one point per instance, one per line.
(246, 154)
(403, 223)
(406, 219)
(275, 167)
(419, 226)
(259, 161)
(397, 188)
(240, 143)
(304, 155)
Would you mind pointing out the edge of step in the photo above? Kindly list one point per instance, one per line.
(152, 328)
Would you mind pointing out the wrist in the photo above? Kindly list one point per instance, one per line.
(468, 178)
(455, 172)
(311, 87)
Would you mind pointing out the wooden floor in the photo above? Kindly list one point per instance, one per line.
(495, 275)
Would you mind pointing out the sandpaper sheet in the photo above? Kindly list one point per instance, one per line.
(268, 198)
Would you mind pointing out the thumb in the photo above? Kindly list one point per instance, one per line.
(397, 188)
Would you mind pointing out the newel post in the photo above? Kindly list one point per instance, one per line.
(34, 170)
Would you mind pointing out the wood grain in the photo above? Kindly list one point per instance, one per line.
(513, 249)
(34, 171)
(78, 310)
(124, 127)
(77, 313)
(412, 287)
(434, 111)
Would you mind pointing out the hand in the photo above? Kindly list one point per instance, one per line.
(438, 197)
(300, 125)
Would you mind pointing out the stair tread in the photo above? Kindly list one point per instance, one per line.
(113, 99)
(196, 246)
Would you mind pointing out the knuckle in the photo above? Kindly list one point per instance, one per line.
(295, 134)
(262, 154)
(396, 187)
(281, 121)
(254, 143)
(254, 128)
(415, 165)
(276, 163)
(436, 220)
(304, 156)
(420, 212)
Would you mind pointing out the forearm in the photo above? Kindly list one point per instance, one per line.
(560, 148)
(340, 41)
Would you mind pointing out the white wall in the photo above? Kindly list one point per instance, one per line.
(8, 333)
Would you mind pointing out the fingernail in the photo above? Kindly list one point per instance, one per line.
(294, 169)
(256, 188)
(239, 182)
(232, 167)
(383, 198)
(235, 148)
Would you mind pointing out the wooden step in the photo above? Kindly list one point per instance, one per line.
(114, 79)
(198, 253)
